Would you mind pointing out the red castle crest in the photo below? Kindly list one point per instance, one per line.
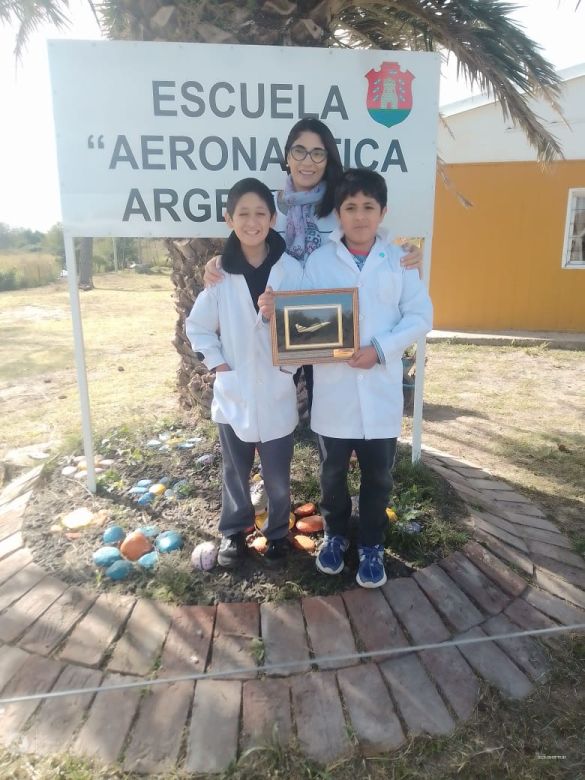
(389, 99)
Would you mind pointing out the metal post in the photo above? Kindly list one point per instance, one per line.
(115, 253)
(419, 379)
(79, 351)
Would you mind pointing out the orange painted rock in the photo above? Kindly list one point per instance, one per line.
(135, 545)
(391, 515)
(259, 543)
(305, 510)
(310, 525)
(302, 542)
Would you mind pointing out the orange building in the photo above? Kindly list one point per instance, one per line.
(515, 259)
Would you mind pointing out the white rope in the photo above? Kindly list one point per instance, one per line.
(284, 665)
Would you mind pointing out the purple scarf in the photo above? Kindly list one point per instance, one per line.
(302, 234)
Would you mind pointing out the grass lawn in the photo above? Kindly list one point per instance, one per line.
(516, 411)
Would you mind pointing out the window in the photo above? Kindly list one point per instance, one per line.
(574, 247)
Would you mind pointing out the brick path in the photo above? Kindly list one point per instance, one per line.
(518, 573)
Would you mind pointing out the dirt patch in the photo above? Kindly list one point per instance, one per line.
(420, 498)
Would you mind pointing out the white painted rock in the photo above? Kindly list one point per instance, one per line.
(204, 556)
(79, 518)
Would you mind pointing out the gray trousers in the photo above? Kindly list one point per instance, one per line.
(237, 512)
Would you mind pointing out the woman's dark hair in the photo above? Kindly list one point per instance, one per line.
(243, 187)
(356, 180)
(333, 169)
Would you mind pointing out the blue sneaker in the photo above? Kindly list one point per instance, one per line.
(330, 557)
(371, 571)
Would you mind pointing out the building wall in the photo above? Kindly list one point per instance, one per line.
(497, 265)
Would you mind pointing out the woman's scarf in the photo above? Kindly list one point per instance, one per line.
(302, 233)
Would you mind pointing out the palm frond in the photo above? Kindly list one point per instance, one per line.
(29, 15)
(492, 51)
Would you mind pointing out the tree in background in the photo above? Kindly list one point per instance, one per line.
(491, 49)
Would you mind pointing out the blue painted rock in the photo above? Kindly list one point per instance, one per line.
(146, 499)
(165, 481)
(119, 570)
(149, 560)
(113, 534)
(169, 541)
(144, 483)
(106, 556)
(150, 531)
(138, 490)
(170, 495)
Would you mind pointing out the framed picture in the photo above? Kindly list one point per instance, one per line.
(315, 326)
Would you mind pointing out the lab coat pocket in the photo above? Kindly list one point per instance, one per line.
(283, 384)
(227, 393)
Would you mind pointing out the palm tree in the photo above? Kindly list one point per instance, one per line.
(491, 50)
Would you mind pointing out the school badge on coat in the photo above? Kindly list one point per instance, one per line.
(389, 99)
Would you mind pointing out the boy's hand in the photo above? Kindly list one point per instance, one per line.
(213, 274)
(266, 303)
(414, 258)
(366, 357)
(222, 367)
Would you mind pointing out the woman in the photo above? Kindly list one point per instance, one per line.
(305, 217)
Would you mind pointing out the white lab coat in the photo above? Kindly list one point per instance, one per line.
(395, 308)
(256, 398)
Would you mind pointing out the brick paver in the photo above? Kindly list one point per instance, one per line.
(532, 521)
(560, 570)
(497, 571)
(480, 483)
(23, 613)
(370, 709)
(500, 528)
(555, 537)
(212, 743)
(94, 633)
(11, 515)
(14, 563)
(11, 659)
(560, 588)
(415, 611)
(142, 639)
(455, 679)
(156, 737)
(19, 584)
(36, 675)
(493, 665)
(447, 598)
(56, 720)
(108, 722)
(524, 651)
(505, 551)
(520, 507)
(10, 544)
(187, 645)
(236, 628)
(374, 622)
(482, 590)
(318, 714)
(557, 553)
(329, 629)
(284, 636)
(417, 698)
(266, 715)
(54, 625)
(525, 616)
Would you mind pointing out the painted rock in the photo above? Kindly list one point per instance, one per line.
(148, 560)
(256, 478)
(135, 545)
(194, 440)
(67, 471)
(302, 542)
(107, 462)
(79, 518)
(144, 483)
(79, 459)
(164, 481)
(138, 490)
(154, 443)
(158, 489)
(205, 459)
(169, 541)
(113, 534)
(185, 445)
(106, 556)
(391, 515)
(412, 527)
(146, 499)
(260, 521)
(73, 535)
(259, 543)
(170, 495)
(310, 525)
(150, 531)
(81, 474)
(119, 570)
(204, 556)
(305, 510)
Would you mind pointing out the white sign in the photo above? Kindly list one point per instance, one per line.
(151, 136)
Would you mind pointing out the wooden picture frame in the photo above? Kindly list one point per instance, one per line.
(315, 326)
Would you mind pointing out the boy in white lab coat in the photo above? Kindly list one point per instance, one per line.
(357, 405)
(254, 402)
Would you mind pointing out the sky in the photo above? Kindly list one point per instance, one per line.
(29, 190)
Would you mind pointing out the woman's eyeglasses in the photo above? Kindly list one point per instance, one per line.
(299, 153)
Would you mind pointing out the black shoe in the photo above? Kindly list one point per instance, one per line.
(231, 550)
(277, 552)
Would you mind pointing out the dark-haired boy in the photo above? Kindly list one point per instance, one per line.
(357, 405)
